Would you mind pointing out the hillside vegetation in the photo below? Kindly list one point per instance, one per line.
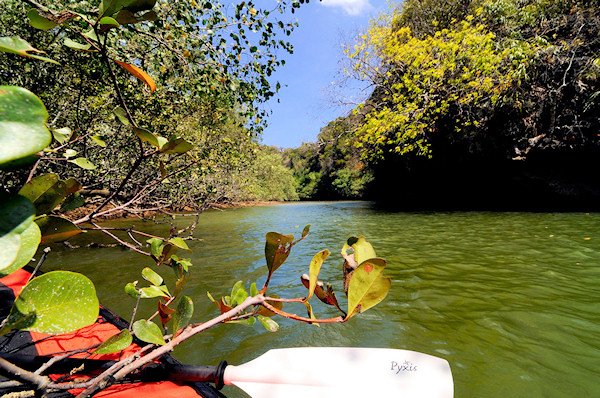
(474, 104)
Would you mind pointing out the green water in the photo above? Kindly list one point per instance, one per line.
(511, 300)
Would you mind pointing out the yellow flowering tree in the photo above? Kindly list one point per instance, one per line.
(441, 86)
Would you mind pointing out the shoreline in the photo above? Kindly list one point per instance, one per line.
(83, 211)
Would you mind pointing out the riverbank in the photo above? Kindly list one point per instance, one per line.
(87, 209)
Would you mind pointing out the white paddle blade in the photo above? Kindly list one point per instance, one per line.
(328, 372)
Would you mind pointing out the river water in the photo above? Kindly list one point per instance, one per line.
(511, 300)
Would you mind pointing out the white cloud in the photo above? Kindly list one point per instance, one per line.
(351, 7)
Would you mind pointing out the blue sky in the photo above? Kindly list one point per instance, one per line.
(304, 105)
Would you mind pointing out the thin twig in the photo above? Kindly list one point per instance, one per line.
(137, 303)
(39, 264)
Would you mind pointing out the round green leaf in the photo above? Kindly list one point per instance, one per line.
(29, 242)
(23, 130)
(115, 343)
(148, 331)
(56, 229)
(39, 22)
(61, 302)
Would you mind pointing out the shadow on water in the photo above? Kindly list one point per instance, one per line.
(509, 299)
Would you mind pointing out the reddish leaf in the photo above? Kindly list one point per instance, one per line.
(165, 313)
(138, 73)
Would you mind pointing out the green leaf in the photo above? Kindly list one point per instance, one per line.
(76, 45)
(20, 163)
(45, 191)
(98, 140)
(154, 291)
(83, 163)
(69, 153)
(72, 202)
(305, 230)
(91, 34)
(148, 331)
(56, 229)
(152, 277)
(161, 141)
(23, 129)
(246, 322)
(16, 45)
(147, 136)
(39, 22)
(367, 287)
(16, 216)
(62, 302)
(121, 115)
(238, 294)
(29, 242)
(253, 290)
(62, 135)
(177, 145)
(180, 243)
(310, 312)
(268, 323)
(315, 268)
(156, 246)
(116, 343)
(183, 314)
(108, 21)
(131, 289)
(277, 249)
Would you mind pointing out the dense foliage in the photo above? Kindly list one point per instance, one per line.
(211, 66)
(488, 103)
(187, 139)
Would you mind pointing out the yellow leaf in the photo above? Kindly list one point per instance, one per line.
(138, 73)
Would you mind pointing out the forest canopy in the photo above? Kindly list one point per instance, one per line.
(486, 103)
(206, 69)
